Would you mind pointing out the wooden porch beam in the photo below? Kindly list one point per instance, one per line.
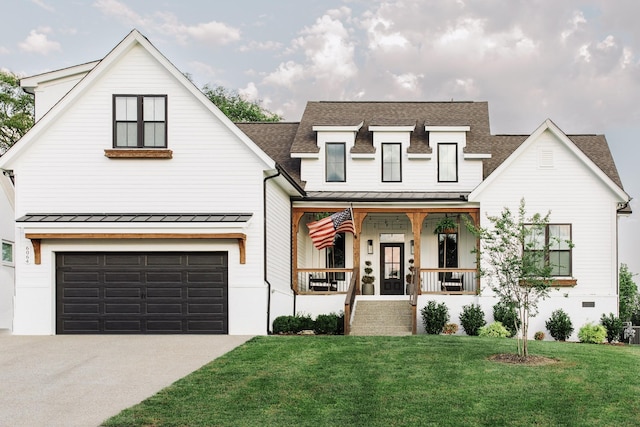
(37, 237)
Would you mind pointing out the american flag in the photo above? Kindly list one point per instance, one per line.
(323, 232)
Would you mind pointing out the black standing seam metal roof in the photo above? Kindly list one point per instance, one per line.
(155, 217)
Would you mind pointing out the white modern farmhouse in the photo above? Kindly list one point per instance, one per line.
(140, 208)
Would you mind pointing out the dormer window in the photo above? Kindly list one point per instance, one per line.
(336, 170)
(140, 121)
(447, 162)
(391, 162)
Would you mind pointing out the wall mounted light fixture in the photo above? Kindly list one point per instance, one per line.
(411, 246)
(369, 246)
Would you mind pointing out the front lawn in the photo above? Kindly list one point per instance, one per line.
(397, 381)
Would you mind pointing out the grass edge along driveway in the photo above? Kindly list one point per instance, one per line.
(396, 381)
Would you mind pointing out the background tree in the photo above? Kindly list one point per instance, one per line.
(514, 261)
(629, 301)
(236, 107)
(16, 110)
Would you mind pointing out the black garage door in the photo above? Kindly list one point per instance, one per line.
(141, 293)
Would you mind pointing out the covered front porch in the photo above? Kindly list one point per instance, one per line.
(407, 249)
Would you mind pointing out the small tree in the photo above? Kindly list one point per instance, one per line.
(613, 325)
(472, 319)
(16, 110)
(559, 325)
(629, 301)
(238, 109)
(513, 258)
(434, 317)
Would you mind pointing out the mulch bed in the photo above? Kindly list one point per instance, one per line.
(519, 360)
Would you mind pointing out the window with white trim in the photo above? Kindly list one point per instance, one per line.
(391, 163)
(447, 162)
(336, 162)
(7, 252)
(139, 121)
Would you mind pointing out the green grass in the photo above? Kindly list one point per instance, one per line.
(384, 381)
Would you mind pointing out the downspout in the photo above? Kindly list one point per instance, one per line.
(264, 242)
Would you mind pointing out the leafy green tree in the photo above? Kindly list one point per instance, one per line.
(236, 107)
(514, 260)
(16, 110)
(629, 300)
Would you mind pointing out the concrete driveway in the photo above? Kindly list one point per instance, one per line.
(81, 380)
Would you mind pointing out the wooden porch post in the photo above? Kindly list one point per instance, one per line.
(475, 217)
(358, 219)
(416, 225)
(297, 215)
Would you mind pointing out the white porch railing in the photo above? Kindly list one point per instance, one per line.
(448, 280)
(324, 280)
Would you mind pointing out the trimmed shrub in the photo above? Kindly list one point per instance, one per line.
(495, 330)
(592, 334)
(434, 317)
(292, 324)
(472, 319)
(613, 325)
(538, 336)
(559, 325)
(329, 324)
(507, 315)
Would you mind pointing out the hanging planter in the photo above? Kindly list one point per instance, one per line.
(446, 225)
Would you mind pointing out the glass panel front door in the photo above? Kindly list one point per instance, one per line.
(392, 268)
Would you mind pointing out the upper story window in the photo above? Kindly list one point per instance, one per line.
(448, 162)
(556, 239)
(391, 163)
(336, 162)
(140, 121)
(7, 252)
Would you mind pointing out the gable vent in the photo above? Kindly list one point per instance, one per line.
(545, 158)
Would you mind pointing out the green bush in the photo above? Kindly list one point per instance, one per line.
(613, 325)
(592, 334)
(559, 325)
(507, 315)
(495, 330)
(292, 324)
(472, 319)
(434, 317)
(329, 324)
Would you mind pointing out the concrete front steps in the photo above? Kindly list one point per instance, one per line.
(384, 318)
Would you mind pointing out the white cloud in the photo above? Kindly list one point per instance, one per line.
(287, 75)
(211, 33)
(38, 42)
(43, 5)
(408, 81)
(250, 92)
(261, 45)
(607, 44)
(4, 50)
(380, 34)
(575, 24)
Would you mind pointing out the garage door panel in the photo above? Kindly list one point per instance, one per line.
(165, 259)
(122, 309)
(122, 259)
(81, 326)
(164, 277)
(142, 293)
(79, 308)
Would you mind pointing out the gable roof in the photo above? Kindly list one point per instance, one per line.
(592, 150)
(421, 114)
(132, 39)
(275, 139)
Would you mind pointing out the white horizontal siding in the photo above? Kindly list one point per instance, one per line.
(365, 174)
(574, 195)
(66, 171)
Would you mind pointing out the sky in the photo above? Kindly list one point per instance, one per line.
(576, 62)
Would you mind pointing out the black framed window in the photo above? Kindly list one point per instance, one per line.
(140, 121)
(550, 246)
(336, 170)
(391, 163)
(336, 256)
(447, 250)
(448, 162)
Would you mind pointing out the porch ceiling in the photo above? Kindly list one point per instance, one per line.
(390, 196)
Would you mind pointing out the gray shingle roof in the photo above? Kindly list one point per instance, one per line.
(279, 140)
(275, 139)
(136, 217)
(473, 114)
